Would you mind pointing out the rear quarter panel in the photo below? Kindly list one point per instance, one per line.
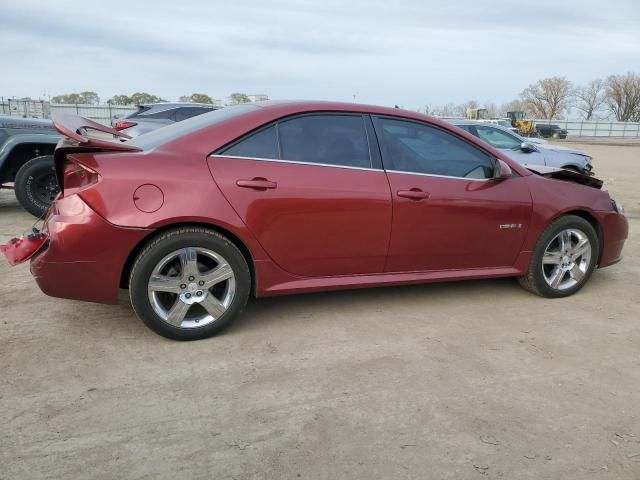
(189, 194)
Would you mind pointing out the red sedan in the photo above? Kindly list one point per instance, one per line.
(286, 197)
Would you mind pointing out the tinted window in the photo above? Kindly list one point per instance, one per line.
(328, 139)
(263, 144)
(498, 138)
(188, 112)
(176, 130)
(417, 147)
(162, 114)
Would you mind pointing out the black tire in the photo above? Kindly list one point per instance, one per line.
(36, 186)
(534, 280)
(171, 241)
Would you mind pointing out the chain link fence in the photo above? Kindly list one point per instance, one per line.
(42, 109)
(596, 128)
(105, 114)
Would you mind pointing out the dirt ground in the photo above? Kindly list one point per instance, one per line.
(465, 380)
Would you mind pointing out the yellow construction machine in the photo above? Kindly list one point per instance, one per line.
(526, 127)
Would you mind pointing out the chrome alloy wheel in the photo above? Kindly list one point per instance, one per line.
(566, 259)
(191, 287)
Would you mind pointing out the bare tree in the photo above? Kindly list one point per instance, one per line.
(591, 97)
(120, 100)
(623, 96)
(86, 97)
(548, 98)
(237, 98)
(492, 109)
(512, 106)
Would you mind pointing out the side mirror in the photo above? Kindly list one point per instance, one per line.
(527, 147)
(503, 170)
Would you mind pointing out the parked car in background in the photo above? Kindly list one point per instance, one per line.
(549, 130)
(287, 197)
(156, 115)
(26, 149)
(526, 151)
(506, 123)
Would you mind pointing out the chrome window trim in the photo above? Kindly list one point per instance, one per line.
(440, 176)
(295, 162)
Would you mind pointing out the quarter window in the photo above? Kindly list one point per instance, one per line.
(188, 112)
(263, 144)
(325, 139)
(416, 147)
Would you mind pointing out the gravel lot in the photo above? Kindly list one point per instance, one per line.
(460, 380)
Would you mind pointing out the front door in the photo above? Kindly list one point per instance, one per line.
(307, 190)
(448, 211)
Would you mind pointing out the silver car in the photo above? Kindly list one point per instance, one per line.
(527, 151)
(153, 116)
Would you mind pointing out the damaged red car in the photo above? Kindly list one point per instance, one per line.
(285, 197)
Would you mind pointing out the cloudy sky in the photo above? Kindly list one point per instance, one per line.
(406, 52)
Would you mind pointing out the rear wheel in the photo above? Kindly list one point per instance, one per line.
(189, 283)
(36, 186)
(564, 258)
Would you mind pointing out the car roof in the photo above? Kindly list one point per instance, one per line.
(178, 104)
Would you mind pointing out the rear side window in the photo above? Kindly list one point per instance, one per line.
(263, 144)
(162, 114)
(188, 112)
(420, 148)
(325, 139)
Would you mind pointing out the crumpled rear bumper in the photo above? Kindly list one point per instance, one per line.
(85, 254)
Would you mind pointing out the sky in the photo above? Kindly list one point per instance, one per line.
(406, 52)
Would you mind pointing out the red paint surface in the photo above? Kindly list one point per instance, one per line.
(320, 228)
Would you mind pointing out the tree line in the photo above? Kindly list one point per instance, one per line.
(140, 98)
(617, 96)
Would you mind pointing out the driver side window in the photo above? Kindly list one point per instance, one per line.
(497, 138)
(415, 147)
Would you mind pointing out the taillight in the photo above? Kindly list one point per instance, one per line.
(121, 125)
(77, 177)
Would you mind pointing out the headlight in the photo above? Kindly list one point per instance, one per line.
(617, 206)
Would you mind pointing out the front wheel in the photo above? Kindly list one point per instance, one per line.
(36, 186)
(189, 283)
(564, 258)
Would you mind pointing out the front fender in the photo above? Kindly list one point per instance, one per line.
(28, 138)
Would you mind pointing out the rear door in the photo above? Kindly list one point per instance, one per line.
(313, 193)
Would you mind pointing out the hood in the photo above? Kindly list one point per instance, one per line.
(18, 122)
(566, 175)
(561, 149)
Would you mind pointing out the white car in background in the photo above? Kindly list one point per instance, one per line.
(528, 151)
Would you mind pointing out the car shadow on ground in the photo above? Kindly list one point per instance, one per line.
(262, 312)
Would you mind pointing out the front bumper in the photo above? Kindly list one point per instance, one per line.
(85, 254)
(615, 230)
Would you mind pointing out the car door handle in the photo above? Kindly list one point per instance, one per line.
(257, 183)
(413, 194)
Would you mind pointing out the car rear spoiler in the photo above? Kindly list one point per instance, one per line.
(77, 140)
(76, 128)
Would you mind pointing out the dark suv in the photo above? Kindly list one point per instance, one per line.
(26, 149)
(153, 116)
(548, 130)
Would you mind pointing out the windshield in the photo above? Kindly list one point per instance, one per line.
(163, 135)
